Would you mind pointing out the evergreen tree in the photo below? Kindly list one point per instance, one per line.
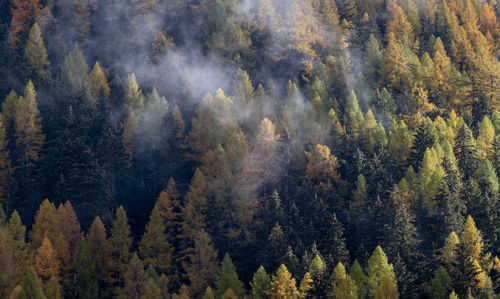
(359, 279)
(98, 82)
(466, 152)
(16, 240)
(451, 206)
(227, 278)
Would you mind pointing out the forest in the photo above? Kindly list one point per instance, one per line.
(283, 149)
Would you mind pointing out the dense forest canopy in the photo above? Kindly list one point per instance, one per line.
(249, 149)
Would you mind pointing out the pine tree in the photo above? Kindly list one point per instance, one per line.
(283, 285)
(154, 247)
(227, 278)
(76, 70)
(261, 284)
(45, 262)
(4, 163)
(203, 265)
(31, 287)
(276, 247)
(8, 278)
(342, 285)
(101, 253)
(35, 52)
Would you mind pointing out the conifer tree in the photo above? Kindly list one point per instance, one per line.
(334, 243)
(16, 240)
(227, 278)
(134, 279)
(466, 152)
(45, 262)
(283, 285)
(154, 247)
(98, 82)
(86, 285)
(35, 52)
(451, 205)
(28, 135)
(487, 209)
(101, 253)
(120, 242)
(46, 225)
(76, 69)
(24, 12)
(261, 284)
(203, 265)
(381, 279)
(195, 205)
(485, 139)
(69, 225)
(359, 279)
(31, 287)
(440, 285)
(53, 289)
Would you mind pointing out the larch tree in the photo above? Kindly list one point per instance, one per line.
(31, 286)
(98, 82)
(35, 52)
(203, 264)
(86, 285)
(120, 242)
(154, 247)
(261, 283)
(45, 262)
(101, 252)
(359, 278)
(69, 225)
(398, 23)
(381, 278)
(16, 240)
(46, 225)
(24, 12)
(283, 285)
(195, 204)
(485, 139)
(227, 278)
(28, 135)
(4, 164)
(53, 289)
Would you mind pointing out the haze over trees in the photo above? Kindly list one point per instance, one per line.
(250, 149)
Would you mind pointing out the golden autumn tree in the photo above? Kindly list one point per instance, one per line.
(98, 82)
(101, 252)
(24, 12)
(45, 262)
(69, 225)
(35, 52)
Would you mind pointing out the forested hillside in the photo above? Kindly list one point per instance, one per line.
(249, 149)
